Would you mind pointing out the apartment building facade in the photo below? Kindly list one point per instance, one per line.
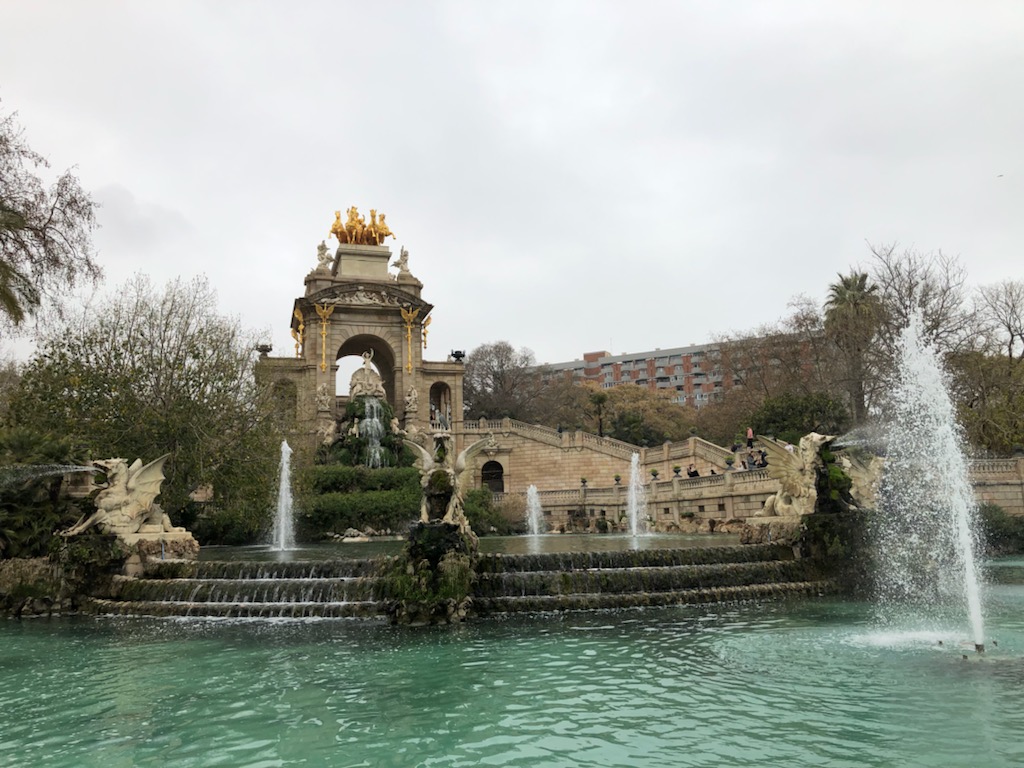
(693, 374)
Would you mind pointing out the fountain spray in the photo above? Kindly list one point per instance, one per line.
(927, 509)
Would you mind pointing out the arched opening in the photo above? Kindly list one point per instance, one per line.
(350, 359)
(285, 397)
(441, 405)
(492, 476)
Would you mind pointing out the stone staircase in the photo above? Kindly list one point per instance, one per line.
(504, 584)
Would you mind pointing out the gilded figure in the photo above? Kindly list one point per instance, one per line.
(355, 225)
(383, 231)
(338, 228)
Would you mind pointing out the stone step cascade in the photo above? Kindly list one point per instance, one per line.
(503, 584)
(604, 580)
(328, 589)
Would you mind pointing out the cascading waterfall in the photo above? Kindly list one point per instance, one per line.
(926, 536)
(284, 523)
(534, 512)
(636, 499)
(372, 428)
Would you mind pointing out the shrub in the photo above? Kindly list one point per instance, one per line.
(380, 509)
(340, 479)
(483, 515)
(1002, 533)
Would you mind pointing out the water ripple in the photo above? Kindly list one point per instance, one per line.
(806, 684)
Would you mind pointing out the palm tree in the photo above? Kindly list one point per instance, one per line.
(17, 295)
(852, 314)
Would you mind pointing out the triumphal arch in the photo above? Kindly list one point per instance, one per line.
(355, 305)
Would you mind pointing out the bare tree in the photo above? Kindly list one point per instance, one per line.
(930, 283)
(45, 231)
(1002, 307)
(501, 381)
(790, 356)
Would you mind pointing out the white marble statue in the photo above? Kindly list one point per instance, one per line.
(323, 258)
(456, 469)
(366, 381)
(797, 473)
(126, 505)
(412, 400)
(402, 262)
(323, 397)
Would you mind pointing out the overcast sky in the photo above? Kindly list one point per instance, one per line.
(567, 176)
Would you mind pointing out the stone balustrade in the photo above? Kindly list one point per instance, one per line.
(731, 494)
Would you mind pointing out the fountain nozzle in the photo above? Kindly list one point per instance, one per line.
(979, 647)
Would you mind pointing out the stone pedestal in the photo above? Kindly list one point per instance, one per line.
(772, 530)
(146, 546)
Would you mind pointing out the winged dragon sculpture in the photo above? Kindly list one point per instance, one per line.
(444, 476)
(797, 473)
(127, 505)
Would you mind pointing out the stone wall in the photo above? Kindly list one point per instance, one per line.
(534, 455)
(556, 461)
(30, 587)
(1000, 481)
(672, 504)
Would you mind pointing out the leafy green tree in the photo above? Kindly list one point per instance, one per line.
(791, 416)
(852, 314)
(45, 230)
(159, 371)
(598, 399)
(989, 393)
(32, 506)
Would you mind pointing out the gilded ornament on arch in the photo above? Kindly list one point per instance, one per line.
(426, 322)
(409, 315)
(323, 312)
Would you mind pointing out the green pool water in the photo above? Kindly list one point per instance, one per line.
(803, 683)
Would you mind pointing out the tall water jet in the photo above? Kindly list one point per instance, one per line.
(284, 523)
(926, 538)
(534, 512)
(636, 499)
(372, 428)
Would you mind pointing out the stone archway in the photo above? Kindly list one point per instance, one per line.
(383, 360)
(441, 404)
(492, 476)
(352, 305)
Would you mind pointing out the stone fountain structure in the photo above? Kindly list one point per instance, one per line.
(127, 509)
(805, 486)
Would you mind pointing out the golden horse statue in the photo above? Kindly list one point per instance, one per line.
(355, 225)
(338, 229)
